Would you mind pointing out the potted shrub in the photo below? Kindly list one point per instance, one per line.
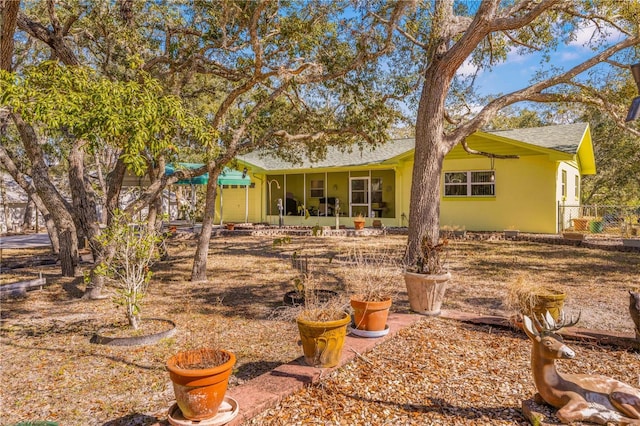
(322, 321)
(428, 279)
(322, 332)
(371, 278)
(322, 327)
(358, 222)
(525, 297)
(200, 378)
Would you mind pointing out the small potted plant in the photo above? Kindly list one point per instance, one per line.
(371, 277)
(200, 378)
(322, 327)
(230, 226)
(358, 222)
(428, 279)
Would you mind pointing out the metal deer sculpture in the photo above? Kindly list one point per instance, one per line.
(578, 397)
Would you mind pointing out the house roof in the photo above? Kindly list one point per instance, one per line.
(335, 157)
(562, 142)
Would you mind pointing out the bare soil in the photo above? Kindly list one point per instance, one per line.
(50, 370)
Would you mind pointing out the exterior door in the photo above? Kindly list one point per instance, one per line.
(359, 196)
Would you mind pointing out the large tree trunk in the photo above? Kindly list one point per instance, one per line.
(9, 13)
(424, 212)
(199, 271)
(55, 204)
(86, 216)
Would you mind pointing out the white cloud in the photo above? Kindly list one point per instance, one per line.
(590, 32)
(514, 57)
(569, 56)
(468, 69)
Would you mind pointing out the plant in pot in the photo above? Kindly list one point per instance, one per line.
(358, 222)
(371, 277)
(322, 327)
(200, 378)
(132, 247)
(429, 278)
(200, 373)
(525, 297)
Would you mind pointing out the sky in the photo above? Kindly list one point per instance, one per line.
(516, 72)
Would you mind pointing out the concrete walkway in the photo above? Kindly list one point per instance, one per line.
(25, 241)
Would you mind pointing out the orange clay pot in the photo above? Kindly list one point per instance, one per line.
(370, 316)
(358, 224)
(199, 392)
(322, 341)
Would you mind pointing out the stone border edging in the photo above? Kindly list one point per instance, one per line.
(136, 340)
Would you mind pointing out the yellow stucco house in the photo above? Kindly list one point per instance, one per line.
(478, 193)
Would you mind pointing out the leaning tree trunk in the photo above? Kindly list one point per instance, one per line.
(199, 271)
(51, 198)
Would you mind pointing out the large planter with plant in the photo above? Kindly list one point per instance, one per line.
(528, 298)
(370, 315)
(200, 378)
(426, 291)
(322, 332)
(428, 280)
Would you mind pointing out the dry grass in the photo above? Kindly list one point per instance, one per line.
(50, 370)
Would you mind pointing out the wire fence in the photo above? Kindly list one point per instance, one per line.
(597, 219)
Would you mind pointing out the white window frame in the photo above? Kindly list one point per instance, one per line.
(470, 184)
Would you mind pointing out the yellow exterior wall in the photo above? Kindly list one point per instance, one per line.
(528, 192)
(525, 196)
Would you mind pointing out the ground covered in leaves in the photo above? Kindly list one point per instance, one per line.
(464, 374)
(439, 372)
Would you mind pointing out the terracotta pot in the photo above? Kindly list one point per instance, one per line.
(199, 392)
(426, 292)
(370, 316)
(580, 224)
(358, 224)
(322, 341)
(230, 226)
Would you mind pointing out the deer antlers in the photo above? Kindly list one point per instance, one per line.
(548, 324)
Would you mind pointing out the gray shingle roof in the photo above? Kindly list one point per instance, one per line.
(335, 157)
(565, 138)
